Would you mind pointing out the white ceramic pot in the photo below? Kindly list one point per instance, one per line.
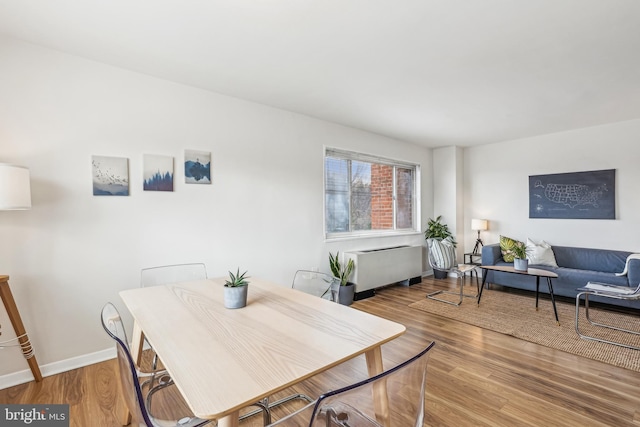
(521, 264)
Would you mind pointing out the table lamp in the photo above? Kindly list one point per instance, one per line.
(15, 194)
(479, 225)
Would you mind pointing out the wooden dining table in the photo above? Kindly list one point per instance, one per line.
(223, 360)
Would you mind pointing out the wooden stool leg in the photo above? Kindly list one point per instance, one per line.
(18, 327)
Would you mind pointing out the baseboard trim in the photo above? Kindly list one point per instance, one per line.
(22, 377)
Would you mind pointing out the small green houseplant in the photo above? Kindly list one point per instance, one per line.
(235, 290)
(520, 261)
(437, 230)
(342, 272)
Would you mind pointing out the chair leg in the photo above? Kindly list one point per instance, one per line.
(592, 338)
(460, 278)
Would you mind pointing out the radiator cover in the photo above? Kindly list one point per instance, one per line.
(385, 266)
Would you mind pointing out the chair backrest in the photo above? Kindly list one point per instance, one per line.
(403, 385)
(176, 273)
(315, 283)
(129, 382)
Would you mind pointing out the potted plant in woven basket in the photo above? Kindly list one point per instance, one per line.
(437, 230)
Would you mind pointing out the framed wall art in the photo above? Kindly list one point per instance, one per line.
(110, 176)
(581, 195)
(157, 173)
(197, 167)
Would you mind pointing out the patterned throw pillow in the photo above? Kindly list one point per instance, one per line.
(506, 246)
(443, 252)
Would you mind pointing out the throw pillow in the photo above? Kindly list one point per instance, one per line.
(443, 253)
(506, 247)
(540, 253)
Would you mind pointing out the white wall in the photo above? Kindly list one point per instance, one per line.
(72, 252)
(497, 179)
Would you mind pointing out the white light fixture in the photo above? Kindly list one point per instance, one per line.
(479, 225)
(15, 190)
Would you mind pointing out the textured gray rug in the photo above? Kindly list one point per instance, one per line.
(514, 314)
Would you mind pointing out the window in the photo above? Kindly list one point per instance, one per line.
(368, 195)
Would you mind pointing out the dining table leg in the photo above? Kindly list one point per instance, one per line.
(380, 397)
(231, 420)
(136, 353)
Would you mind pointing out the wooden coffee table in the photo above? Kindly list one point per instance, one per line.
(534, 272)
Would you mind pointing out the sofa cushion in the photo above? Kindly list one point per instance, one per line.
(540, 253)
(506, 246)
(608, 261)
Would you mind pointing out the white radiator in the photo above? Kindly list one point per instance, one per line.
(381, 267)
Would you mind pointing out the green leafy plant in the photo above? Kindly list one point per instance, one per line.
(236, 280)
(519, 250)
(437, 230)
(341, 272)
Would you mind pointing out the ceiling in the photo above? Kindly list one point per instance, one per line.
(431, 72)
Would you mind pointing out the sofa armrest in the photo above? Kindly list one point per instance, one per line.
(491, 254)
(633, 274)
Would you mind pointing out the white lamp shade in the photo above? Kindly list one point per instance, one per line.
(479, 224)
(15, 190)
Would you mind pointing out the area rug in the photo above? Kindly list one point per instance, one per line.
(514, 314)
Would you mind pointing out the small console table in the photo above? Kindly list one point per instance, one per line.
(18, 327)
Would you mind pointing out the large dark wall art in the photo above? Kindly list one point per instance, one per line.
(583, 195)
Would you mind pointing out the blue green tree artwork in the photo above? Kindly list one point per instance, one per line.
(158, 173)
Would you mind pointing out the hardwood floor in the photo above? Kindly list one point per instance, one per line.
(475, 377)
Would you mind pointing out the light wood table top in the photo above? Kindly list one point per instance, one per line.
(223, 360)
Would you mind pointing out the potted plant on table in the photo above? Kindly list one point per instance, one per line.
(520, 261)
(436, 230)
(342, 272)
(235, 290)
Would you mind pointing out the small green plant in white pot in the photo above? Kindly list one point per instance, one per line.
(520, 261)
(236, 288)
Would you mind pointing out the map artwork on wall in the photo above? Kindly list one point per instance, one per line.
(110, 176)
(197, 167)
(158, 173)
(581, 195)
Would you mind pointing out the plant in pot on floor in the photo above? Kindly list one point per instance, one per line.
(437, 231)
(342, 272)
(236, 288)
(520, 261)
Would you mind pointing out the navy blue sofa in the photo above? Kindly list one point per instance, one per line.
(576, 267)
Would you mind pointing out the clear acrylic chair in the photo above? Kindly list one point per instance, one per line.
(133, 383)
(394, 398)
(460, 271)
(315, 283)
(604, 290)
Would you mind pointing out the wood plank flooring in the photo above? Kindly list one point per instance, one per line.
(475, 377)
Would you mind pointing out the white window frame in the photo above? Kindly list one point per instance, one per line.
(357, 156)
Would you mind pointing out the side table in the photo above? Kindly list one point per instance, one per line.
(18, 327)
(471, 256)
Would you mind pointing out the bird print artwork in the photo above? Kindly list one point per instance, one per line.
(110, 176)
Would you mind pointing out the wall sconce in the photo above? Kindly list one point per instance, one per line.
(479, 225)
